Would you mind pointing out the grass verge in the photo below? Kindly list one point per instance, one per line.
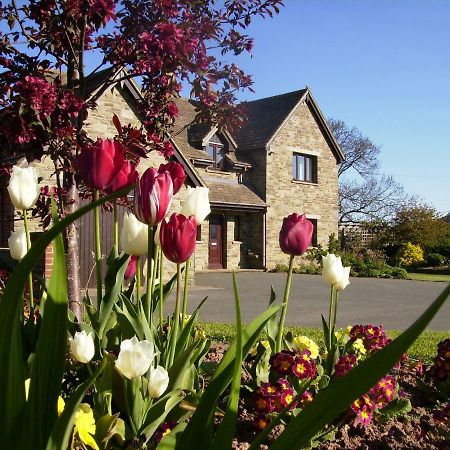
(425, 346)
(428, 277)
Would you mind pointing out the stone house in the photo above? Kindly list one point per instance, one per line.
(283, 160)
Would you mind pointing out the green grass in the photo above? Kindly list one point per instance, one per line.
(428, 277)
(424, 347)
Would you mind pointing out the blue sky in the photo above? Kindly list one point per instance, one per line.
(382, 66)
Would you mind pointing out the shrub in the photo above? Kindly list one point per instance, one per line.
(435, 260)
(280, 268)
(410, 255)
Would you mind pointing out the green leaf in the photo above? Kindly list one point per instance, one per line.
(12, 369)
(179, 370)
(113, 287)
(48, 365)
(198, 433)
(225, 433)
(342, 391)
(168, 442)
(398, 407)
(272, 324)
(60, 435)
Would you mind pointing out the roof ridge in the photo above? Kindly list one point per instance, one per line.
(298, 91)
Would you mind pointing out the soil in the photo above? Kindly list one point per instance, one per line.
(421, 429)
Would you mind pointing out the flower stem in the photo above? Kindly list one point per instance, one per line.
(285, 304)
(336, 298)
(116, 230)
(185, 293)
(98, 250)
(149, 272)
(154, 266)
(161, 290)
(330, 316)
(30, 275)
(138, 280)
(176, 319)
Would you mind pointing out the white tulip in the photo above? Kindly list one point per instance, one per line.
(344, 281)
(82, 347)
(23, 187)
(134, 357)
(196, 203)
(332, 268)
(17, 244)
(157, 381)
(134, 236)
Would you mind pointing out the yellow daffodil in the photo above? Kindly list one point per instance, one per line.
(85, 426)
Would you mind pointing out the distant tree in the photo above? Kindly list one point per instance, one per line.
(420, 225)
(364, 194)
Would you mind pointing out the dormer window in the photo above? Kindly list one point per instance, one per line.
(215, 150)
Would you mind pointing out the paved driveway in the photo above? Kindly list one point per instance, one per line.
(393, 303)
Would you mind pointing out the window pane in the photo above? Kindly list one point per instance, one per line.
(210, 150)
(213, 231)
(308, 169)
(301, 167)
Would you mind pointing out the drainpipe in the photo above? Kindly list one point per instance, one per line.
(265, 241)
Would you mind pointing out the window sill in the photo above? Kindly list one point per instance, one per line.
(236, 242)
(309, 183)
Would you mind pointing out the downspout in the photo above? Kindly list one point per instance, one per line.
(265, 241)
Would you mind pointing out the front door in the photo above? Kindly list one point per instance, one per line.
(215, 242)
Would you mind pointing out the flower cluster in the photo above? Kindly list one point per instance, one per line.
(344, 364)
(374, 338)
(300, 365)
(273, 397)
(163, 430)
(377, 398)
(441, 367)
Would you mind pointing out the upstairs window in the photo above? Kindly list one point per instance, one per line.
(304, 168)
(215, 150)
(314, 236)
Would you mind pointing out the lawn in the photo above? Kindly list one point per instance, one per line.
(428, 277)
(424, 347)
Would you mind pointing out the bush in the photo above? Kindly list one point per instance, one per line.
(410, 255)
(435, 260)
(371, 264)
(280, 268)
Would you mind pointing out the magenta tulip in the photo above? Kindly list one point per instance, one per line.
(153, 196)
(178, 237)
(130, 271)
(177, 173)
(126, 177)
(296, 234)
(102, 164)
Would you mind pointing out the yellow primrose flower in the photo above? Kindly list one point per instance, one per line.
(338, 334)
(200, 334)
(304, 342)
(265, 344)
(348, 329)
(359, 348)
(85, 425)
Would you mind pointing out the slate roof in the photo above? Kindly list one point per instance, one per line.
(264, 117)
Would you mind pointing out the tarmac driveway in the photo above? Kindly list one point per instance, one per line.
(393, 303)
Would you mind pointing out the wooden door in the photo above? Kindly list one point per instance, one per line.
(215, 259)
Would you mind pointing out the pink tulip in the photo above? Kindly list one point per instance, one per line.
(153, 196)
(178, 237)
(130, 271)
(103, 165)
(126, 177)
(296, 234)
(177, 173)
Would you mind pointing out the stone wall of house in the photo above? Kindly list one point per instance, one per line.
(301, 134)
(255, 178)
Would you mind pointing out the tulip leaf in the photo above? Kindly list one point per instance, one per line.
(225, 433)
(178, 371)
(48, 365)
(199, 430)
(12, 368)
(341, 392)
(129, 319)
(159, 411)
(62, 430)
(113, 287)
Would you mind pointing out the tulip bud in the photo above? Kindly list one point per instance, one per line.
(158, 381)
(177, 173)
(333, 270)
(153, 196)
(178, 237)
(23, 187)
(196, 204)
(295, 234)
(134, 357)
(130, 271)
(344, 280)
(82, 347)
(134, 236)
(17, 243)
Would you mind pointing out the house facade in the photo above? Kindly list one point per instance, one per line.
(283, 160)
